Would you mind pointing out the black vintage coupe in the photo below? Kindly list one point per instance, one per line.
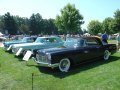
(74, 51)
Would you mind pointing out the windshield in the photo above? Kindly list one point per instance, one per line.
(74, 42)
(39, 40)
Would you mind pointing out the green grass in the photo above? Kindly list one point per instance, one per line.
(112, 41)
(99, 75)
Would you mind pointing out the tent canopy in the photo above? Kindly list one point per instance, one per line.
(1, 34)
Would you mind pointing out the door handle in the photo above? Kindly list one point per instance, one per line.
(97, 47)
(85, 51)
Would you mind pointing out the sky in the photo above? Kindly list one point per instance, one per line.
(89, 9)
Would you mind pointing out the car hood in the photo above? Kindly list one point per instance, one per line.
(56, 50)
(13, 42)
(26, 44)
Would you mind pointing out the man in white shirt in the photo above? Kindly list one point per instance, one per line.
(118, 41)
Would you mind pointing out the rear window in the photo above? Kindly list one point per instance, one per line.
(91, 41)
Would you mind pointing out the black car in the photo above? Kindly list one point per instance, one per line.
(74, 51)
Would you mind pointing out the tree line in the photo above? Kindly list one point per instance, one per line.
(20, 25)
(68, 22)
(109, 25)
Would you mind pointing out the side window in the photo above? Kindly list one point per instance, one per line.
(48, 40)
(53, 40)
(82, 43)
(42, 40)
(30, 40)
(91, 41)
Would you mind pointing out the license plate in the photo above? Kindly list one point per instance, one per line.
(27, 55)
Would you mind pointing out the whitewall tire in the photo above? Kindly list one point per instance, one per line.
(106, 55)
(64, 65)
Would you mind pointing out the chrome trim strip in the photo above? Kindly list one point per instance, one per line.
(48, 64)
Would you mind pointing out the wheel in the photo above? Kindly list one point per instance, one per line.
(106, 55)
(64, 65)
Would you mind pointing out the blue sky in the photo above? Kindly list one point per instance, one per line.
(90, 9)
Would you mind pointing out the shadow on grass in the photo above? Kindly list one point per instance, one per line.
(76, 69)
(18, 57)
(10, 52)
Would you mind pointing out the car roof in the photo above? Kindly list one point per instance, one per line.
(48, 37)
(83, 37)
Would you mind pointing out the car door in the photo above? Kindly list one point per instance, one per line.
(87, 51)
(82, 53)
(92, 50)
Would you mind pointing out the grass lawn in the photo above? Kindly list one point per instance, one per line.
(99, 75)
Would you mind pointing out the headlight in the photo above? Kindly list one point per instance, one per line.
(37, 57)
(14, 50)
(48, 56)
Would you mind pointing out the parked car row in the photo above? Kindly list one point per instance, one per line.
(53, 52)
(24, 40)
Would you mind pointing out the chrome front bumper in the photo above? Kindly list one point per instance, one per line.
(47, 64)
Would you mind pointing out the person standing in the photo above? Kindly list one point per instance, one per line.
(104, 38)
(118, 41)
(9, 36)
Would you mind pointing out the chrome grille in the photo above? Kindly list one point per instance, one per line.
(14, 50)
(42, 58)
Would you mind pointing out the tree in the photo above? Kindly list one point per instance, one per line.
(35, 24)
(112, 27)
(94, 27)
(85, 31)
(107, 25)
(70, 20)
(10, 24)
(51, 27)
(1, 24)
(117, 20)
(24, 29)
(45, 27)
(22, 24)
